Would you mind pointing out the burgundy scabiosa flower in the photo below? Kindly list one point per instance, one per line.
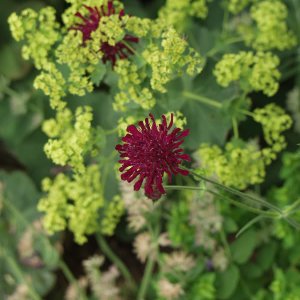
(91, 22)
(150, 151)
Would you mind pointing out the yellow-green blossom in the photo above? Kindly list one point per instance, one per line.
(53, 84)
(113, 211)
(236, 6)
(177, 12)
(69, 137)
(254, 71)
(229, 165)
(274, 121)
(171, 59)
(129, 83)
(73, 203)
(38, 30)
(270, 30)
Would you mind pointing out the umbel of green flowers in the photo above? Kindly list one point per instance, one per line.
(229, 165)
(80, 49)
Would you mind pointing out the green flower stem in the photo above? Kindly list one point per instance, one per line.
(70, 277)
(238, 193)
(202, 99)
(269, 214)
(19, 275)
(150, 261)
(111, 131)
(235, 128)
(146, 278)
(115, 259)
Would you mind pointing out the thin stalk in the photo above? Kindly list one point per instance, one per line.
(19, 275)
(114, 259)
(154, 232)
(235, 128)
(202, 99)
(238, 193)
(70, 277)
(235, 202)
(146, 278)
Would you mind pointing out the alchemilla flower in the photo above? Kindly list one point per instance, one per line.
(92, 21)
(150, 151)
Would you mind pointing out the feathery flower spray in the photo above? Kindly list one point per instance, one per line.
(150, 151)
(91, 22)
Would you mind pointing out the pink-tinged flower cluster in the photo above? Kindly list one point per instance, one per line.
(150, 151)
(91, 22)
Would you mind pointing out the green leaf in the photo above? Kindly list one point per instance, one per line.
(98, 73)
(227, 282)
(243, 247)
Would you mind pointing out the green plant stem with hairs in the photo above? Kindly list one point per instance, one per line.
(154, 230)
(105, 248)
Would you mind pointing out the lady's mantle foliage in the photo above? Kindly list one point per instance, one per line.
(111, 49)
(150, 151)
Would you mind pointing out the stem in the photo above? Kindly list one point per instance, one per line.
(146, 278)
(235, 128)
(111, 131)
(115, 259)
(235, 202)
(19, 275)
(202, 99)
(238, 193)
(70, 277)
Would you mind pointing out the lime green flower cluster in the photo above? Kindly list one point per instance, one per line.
(270, 30)
(229, 165)
(168, 56)
(274, 121)
(69, 137)
(254, 71)
(80, 61)
(70, 204)
(177, 12)
(52, 82)
(170, 59)
(236, 6)
(39, 31)
(130, 79)
(113, 211)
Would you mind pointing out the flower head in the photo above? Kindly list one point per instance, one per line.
(149, 152)
(90, 23)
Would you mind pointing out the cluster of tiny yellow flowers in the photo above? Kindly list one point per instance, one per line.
(274, 121)
(68, 15)
(270, 30)
(69, 137)
(39, 31)
(53, 84)
(113, 211)
(236, 6)
(130, 79)
(170, 59)
(79, 60)
(177, 12)
(70, 204)
(253, 71)
(229, 165)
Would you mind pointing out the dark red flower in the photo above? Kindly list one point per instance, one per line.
(150, 151)
(91, 22)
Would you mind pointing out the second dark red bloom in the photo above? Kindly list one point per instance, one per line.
(149, 151)
(91, 22)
